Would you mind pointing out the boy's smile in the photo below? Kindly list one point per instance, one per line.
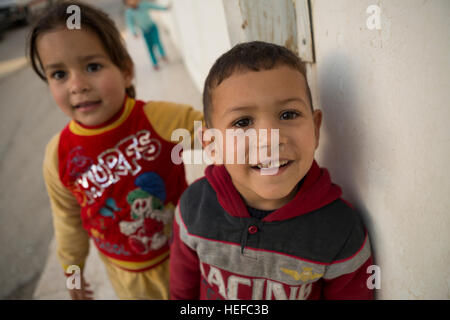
(268, 99)
(85, 83)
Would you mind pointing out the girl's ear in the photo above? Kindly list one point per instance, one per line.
(128, 74)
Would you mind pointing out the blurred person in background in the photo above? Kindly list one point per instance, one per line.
(137, 17)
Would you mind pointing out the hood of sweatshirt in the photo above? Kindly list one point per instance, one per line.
(316, 191)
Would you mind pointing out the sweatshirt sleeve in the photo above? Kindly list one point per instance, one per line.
(184, 266)
(346, 278)
(166, 117)
(72, 240)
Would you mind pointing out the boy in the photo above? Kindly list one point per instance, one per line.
(240, 234)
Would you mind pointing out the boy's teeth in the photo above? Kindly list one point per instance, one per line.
(272, 164)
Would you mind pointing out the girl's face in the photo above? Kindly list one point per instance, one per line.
(84, 82)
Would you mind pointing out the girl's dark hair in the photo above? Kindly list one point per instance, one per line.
(91, 18)
(249, 56)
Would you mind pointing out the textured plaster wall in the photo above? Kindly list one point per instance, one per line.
(386, 138)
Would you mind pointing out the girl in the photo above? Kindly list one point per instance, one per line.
(114, 146)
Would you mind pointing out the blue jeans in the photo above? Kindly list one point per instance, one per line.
(152, 39)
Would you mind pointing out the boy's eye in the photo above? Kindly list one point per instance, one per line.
(93, 67)
(289, 115)
(58, 75)
(242, 123)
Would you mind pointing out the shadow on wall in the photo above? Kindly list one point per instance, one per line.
(343, 135)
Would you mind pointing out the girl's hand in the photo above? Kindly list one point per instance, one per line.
(83, 293)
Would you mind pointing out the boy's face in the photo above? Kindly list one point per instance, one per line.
(269, 99)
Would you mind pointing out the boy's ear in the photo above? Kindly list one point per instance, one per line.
(210, 153)
(317, 118)
(200, 137)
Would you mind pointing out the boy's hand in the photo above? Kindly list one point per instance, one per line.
(83, 293)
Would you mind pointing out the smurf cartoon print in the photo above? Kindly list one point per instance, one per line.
(151, 223)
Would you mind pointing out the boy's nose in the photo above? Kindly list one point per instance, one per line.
(272, 127)
(78, 83)
(269, 125)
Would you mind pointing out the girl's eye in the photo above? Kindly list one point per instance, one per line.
(242, 123)
(289, 115)
(93, 67)
(58, 75)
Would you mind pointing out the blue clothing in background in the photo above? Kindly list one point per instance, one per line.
(152, 39)
(139, 18)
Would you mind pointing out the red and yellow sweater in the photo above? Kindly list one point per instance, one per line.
(118, 185)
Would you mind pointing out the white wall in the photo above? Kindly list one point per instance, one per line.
(385, 137)
(199, 29)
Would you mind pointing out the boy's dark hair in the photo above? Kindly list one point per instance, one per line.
(248, 56)
(91, 18)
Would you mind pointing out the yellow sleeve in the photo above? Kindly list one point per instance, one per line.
(165, 117)
(72, 240)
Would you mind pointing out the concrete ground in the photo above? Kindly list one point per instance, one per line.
(29, 119)
(29, 268)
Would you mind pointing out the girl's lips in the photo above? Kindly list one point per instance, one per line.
(87, 106)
